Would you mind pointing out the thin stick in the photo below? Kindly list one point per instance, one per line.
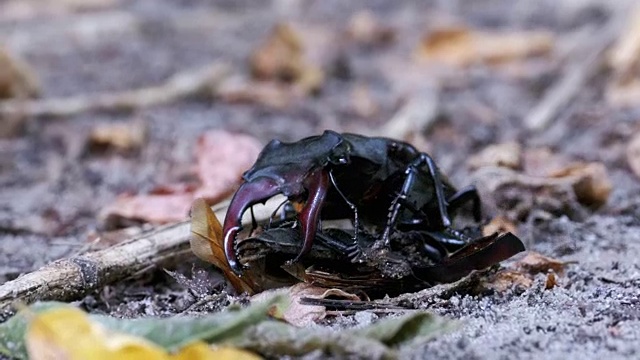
(204, 81)
(587, 60)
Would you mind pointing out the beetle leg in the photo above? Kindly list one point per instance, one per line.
(411, 175)
(310, 215)
(356, 221)
(469, 193)
(247, 195)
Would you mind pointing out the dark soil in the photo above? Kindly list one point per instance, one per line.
(52, 186)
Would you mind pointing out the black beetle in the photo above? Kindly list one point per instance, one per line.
(390, 272)
(381, 183)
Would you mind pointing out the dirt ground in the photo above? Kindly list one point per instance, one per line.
(52, 186)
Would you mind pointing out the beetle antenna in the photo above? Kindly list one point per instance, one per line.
(273, 214)
(356, 222)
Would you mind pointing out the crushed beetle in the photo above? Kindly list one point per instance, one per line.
(379, 183)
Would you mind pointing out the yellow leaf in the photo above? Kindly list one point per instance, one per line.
(68, 334)
(201, 351)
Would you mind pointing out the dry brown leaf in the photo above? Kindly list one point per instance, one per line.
(267, 93)
(499, 224)
(17, 80)
(222, 158)
(155, 209)
(365, 28)
(502, 155)
(591, 184)
(460, 46)
(304, 315)
(543, 162)
(633, 154)
(506, 279)
(207, 244)
(123, 137)
(282, 58)
(534, 263)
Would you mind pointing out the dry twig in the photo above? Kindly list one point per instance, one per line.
(72, 278)
(588, 59)
(204, 81)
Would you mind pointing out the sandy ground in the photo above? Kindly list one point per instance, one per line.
(52, 187)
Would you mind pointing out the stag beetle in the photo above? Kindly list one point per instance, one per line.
(381, 183)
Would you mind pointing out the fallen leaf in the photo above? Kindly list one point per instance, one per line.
(123, 137)
(365, 28)
(282, 57)
(534, 263)
(505, 280)
(301, 315)
(67, 333)
(155, 209)
(267, 93)
(499, 224)
(633, 154)
(207, 243)
(501, 155)
(381, 340)
(460, 46)
(222, 157)
(17, 80)
(69, 330)
(591, 184)
(542, 161)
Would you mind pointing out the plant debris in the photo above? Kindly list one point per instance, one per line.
(460, 46)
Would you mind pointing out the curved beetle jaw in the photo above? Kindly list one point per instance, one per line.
(248, 194)
(260, 190)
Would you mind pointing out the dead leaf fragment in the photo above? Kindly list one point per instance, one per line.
(633, 154)
(499, 224)
(365, 28)
(460, 46)
(17, 80)
(534, 263)
(123, 137)
(207, 244)
(303, 315)
(222, 158)
(505, 280)
(501, 155)
(282, 58)
(592, 185)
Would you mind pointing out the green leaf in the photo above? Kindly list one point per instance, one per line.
(376, 341)
(170, 333)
